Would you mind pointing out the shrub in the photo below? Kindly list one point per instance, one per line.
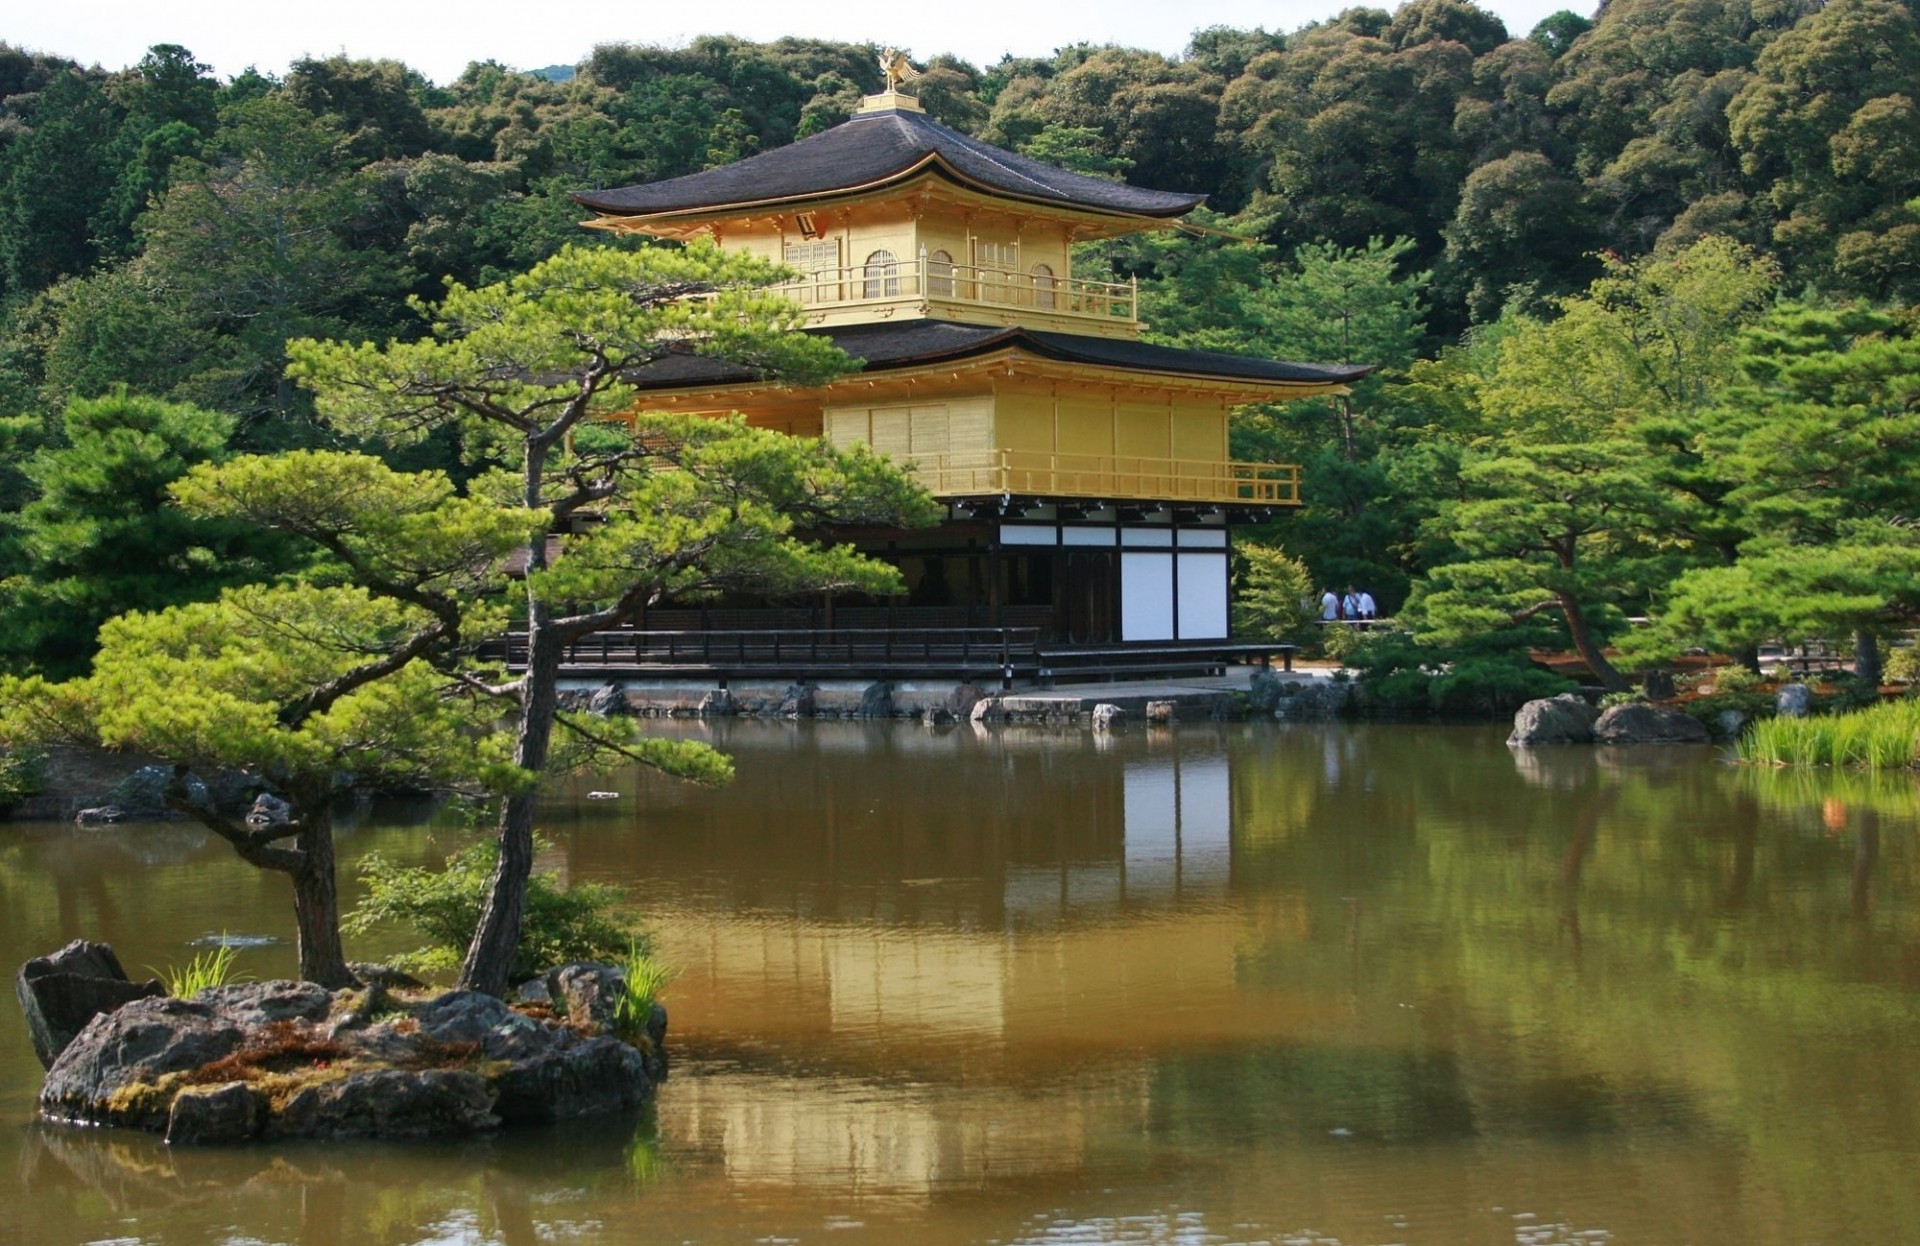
(443, 906)
(1402, 676)
(1734, 678)
(1902, 665)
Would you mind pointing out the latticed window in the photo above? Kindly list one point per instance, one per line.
(1001, 257)
(814, 257)
(940, 274)
(882, 276)
(1042, 286)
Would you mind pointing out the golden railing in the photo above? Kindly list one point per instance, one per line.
(929, 278)
(1117, 477)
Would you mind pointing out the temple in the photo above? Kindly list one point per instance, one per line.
(1090, 494)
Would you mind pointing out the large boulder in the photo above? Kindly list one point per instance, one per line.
(609, 700)
(798, 701)
(118, 1070)
(386, 1103)
(1161, 713)
(876, 701)
(1555, 720)
(61, 993)
(142, 795)
(963, 698)
(1649, 724)
(717, 703)
(1108, 717)
(1312, 701)
(1793, 701)
(588, 995)
(584, 1078)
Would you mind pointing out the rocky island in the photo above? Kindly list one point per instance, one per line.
(285, 1060)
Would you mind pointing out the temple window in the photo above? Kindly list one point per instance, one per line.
(882, 276)
(1042, 286)
(814, 257)
(940, 274)
(995, 256)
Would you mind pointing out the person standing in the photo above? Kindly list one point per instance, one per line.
(1329, 606)
(1366, 606)
(1350, 604)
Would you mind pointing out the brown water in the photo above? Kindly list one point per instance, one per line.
(1260, 984)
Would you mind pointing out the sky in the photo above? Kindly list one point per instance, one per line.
(439, 39)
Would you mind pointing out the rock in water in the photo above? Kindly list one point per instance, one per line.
(609, 701)
(797, 702)
(61, 993)
(876, 701)
(962, 699)
(1558, 720)
(1161, 713)
(1108, 717)
(143, 794)
(114, 1072)
(1649, 724)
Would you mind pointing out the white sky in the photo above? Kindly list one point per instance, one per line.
(439, 39)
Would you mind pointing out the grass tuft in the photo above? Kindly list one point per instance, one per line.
(213, 967)
(1881, 737)
(645, 978)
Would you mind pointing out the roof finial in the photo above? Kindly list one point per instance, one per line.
(894, 64)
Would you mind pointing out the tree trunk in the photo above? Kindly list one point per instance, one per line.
(1866, 661)
(316, 898)
(489, 962)
(1589, 651)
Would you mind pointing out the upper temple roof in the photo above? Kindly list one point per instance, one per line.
(871, 151)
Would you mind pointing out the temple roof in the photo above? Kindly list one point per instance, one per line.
(910, 343)
(872, 150)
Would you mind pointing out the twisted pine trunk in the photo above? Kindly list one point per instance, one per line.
(496, 940)
(316, 902)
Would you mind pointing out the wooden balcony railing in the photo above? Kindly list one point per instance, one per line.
(983, 473)
(925, 278)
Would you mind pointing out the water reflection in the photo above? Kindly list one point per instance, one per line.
(1217, 984)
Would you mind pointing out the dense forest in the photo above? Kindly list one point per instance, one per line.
(1640, 285)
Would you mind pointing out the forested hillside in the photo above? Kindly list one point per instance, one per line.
(1421, 188)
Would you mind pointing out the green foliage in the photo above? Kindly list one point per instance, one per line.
(1734, 678)
(22, 774)
(1274, 598)
(1903, 665)
(1401, 675)
(208, 969)
(98, 537)
(1880, 738)
(561, 924)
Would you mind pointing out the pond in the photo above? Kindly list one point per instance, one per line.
(1224, 984)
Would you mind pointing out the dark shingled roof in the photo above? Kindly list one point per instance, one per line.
(905, 343)
(879, 147)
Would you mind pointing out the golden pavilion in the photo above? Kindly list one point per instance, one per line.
(1090, 494)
